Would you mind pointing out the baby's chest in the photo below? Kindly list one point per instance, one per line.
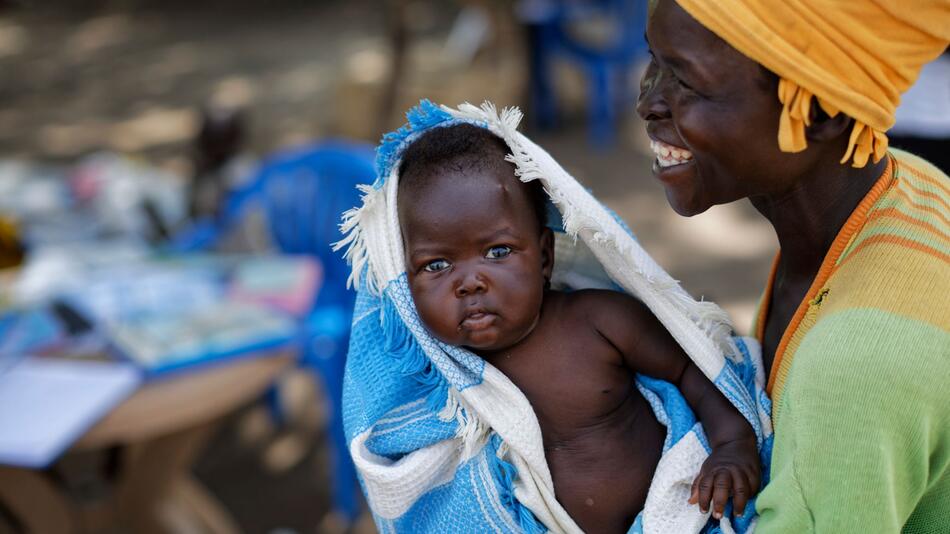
(577, 383)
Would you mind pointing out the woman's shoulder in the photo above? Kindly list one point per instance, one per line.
(907, 162)
(914, 211)
(899, 260)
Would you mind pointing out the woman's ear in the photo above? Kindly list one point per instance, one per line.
(825, 127)
(547, 254)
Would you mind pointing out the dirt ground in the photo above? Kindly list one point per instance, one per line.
(130, 77)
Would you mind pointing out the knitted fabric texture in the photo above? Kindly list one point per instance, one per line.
(855, 57)
(860, 378)
(443, 441)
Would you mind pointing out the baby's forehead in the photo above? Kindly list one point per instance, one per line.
(460, 195)
(450, 180)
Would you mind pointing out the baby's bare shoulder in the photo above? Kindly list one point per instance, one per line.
(619, 317)
(598, 304)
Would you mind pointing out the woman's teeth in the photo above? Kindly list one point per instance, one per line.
(669, 155)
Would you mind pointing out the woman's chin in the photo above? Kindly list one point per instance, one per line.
(681, 184)
(684, 204)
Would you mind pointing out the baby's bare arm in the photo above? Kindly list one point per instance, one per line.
(648, 348)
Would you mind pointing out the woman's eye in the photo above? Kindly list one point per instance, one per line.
(683, 84)
(497, 252)
(436, 266)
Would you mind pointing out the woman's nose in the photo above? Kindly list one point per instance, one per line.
(470, 283)
(650, 104)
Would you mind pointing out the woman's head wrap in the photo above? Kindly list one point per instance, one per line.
(854, 56)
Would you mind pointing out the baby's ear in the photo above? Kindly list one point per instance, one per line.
(547, 253)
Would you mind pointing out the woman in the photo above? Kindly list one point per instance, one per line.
(855, 320)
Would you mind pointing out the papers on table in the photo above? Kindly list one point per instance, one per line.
(163, 343)
(148, 317)
(167, 314)
(46, 404)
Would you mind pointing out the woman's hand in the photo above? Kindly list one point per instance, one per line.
(732, 470)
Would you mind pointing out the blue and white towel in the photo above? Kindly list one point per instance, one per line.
(443, 441)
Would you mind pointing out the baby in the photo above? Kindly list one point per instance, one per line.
(479, 260)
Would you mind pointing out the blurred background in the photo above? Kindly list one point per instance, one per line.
(173, 323)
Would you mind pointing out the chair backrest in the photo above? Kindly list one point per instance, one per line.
(303, 194)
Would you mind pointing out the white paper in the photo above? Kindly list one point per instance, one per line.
(47, 404)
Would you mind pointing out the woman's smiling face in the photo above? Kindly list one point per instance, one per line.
(712, 115)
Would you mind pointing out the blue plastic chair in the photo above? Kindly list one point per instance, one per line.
(303, 194)
(607, 68)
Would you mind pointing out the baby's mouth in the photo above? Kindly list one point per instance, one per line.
(668, 155)
(477, 320)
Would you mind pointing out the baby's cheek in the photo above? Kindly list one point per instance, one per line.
(437, 320)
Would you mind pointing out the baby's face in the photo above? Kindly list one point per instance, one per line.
(476, 260)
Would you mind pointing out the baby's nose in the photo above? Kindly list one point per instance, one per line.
(470, 283)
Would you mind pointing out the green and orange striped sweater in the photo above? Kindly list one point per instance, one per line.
(861, 378)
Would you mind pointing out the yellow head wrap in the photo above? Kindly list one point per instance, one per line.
(854, 56)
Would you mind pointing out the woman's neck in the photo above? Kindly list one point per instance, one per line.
(808, 218)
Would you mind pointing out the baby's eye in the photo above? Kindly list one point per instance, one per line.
(498, 251)
(436, 266)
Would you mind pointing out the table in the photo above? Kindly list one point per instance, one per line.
(161, 429)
